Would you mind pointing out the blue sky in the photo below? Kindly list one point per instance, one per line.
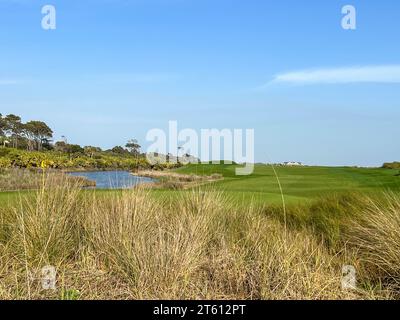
(112, 70)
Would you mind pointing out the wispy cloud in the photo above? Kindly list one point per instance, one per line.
(362, 74)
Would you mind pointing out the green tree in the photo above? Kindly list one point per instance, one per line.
(91, 151)
(13, 127)
(74, 149)
(39, 132)
(118, 150)
(2, 126)
(61, 146)
(133, 146)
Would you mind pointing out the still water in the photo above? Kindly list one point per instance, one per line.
(112, 179)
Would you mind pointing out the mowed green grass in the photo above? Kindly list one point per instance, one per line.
(298, 183)
(10, 198)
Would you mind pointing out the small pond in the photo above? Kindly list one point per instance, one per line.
(112, 179)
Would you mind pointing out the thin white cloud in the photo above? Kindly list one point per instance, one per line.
(364, 74)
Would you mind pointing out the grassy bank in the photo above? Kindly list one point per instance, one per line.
(23, 179)
(168, 179)
(132, 245)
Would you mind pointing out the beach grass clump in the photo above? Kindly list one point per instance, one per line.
(376, 237)
(14, 179)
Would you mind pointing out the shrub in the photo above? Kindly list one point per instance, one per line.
(57, 160)
(393, 165)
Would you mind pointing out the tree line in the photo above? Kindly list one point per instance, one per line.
(37, 135)
(32, 135)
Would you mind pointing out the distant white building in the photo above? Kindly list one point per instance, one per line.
(292, 164)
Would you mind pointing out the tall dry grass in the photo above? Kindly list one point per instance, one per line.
(376, 236)
(31, 179)
(176, 181)
(131, 245)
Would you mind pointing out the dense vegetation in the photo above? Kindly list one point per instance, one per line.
(29, 145)
(392, 165)
(59, 160)
(31, 135)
